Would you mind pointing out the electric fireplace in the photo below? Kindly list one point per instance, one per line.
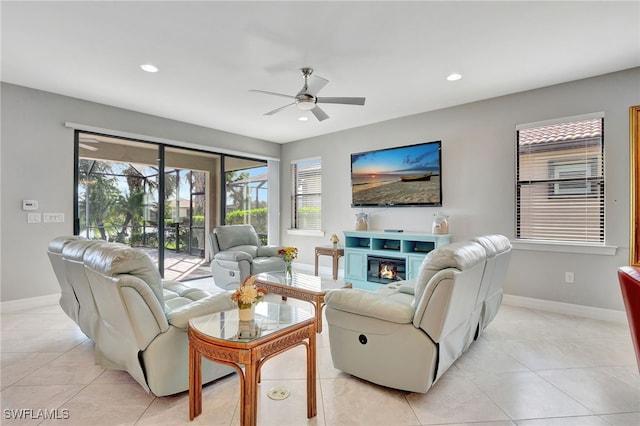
(385, 270)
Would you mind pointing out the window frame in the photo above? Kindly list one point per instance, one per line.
(594, 185)
(296, 225)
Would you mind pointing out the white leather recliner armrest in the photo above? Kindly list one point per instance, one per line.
(366, 303)
(179, 317)
(233, 256)
(407, 286)
(268, 251)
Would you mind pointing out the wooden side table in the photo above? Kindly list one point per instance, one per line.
(334, 252)
(213, 337)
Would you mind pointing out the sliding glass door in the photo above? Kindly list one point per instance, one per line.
(118, 187)
(117, 191)
(247, 194)
(166, 200)
(191, 204)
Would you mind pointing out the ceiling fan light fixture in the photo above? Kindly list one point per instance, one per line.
(454, 77)
(306, 104)
(149, 67)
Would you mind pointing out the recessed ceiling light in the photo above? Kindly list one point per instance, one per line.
(303, 118)
(454, 77)
(149, 68)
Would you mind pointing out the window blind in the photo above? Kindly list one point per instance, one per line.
(306, 194)
(560, 182)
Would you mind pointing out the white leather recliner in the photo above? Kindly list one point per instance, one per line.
(137, 321)
(237, 253)
(408, 337)
(498, 249)
(68, 299)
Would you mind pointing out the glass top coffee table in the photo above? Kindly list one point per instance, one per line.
(223, 338)
(302, 287)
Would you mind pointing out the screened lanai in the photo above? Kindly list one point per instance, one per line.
(118, 202)
(118, 185)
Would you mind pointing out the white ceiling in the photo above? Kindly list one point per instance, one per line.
(397, 54)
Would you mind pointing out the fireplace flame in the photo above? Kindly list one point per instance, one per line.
(387, 272)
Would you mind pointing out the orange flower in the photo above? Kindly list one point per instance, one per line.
(248, 293)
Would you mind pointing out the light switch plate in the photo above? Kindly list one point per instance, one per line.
(53, 217)
(34, 218)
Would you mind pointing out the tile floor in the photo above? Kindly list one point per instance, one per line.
(529, 368)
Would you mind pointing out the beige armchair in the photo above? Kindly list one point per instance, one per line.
(237, 253)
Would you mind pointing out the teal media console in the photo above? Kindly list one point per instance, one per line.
(376, 258)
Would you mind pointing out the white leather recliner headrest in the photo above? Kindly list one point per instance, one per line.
(115, 259)
(236, 235)
(75, 250)
(57, 244)
(462, 255)
(493, 244)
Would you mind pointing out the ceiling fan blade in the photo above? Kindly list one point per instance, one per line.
(347, 101)
(315, 84)
(272, 93)
(279, 109)
(319, 113)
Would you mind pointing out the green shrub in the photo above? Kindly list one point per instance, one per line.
(256, 217)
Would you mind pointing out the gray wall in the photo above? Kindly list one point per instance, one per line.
(37, 163)
(478, 165)
(478, 181)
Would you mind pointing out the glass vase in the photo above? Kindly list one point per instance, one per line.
(287, 269)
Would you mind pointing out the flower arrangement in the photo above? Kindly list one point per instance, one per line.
(288, 253)
(248, 294)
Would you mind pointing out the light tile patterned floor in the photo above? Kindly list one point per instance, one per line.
(528, 368)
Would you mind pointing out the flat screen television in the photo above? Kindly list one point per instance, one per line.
(395, 177)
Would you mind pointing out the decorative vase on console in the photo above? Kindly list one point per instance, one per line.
(246, 296)
(288, 254)
(440, 223)
(362, 221)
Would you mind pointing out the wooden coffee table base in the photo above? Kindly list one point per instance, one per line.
(252, 355)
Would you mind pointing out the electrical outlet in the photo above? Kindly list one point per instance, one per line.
(568, 277)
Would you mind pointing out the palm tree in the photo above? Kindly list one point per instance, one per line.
(131, 205)
(100, 196)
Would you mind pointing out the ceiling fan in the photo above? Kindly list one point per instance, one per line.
(307, 99)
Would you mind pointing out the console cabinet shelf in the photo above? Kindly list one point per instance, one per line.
(406, 250)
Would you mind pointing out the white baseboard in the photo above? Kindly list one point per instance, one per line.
(19, 305)
(566, 308)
